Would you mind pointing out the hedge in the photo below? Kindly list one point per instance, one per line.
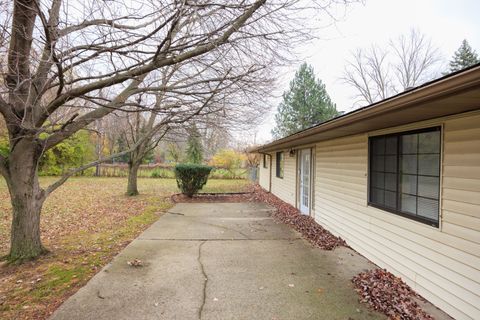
(191, 177)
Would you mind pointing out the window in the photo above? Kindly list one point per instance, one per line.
(265, 161)
(279, 164)
(404, 175)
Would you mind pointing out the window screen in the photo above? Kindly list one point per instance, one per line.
(279, 164)
(265, 161)
(405, 174)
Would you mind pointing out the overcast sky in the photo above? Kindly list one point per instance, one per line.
(446, 22)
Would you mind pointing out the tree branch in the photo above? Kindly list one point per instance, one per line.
(18, 73)
(106, 22)
(72, 127)
(156, 64)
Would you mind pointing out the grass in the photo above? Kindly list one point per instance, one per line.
(146, 171)
(85, 224)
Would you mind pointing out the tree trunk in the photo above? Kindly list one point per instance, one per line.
(27, 199)
(132, 187)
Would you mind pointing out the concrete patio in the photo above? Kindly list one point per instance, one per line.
(222, 261)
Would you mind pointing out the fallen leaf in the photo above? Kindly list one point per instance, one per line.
(135, 263)
(306, 225)
(386, 293)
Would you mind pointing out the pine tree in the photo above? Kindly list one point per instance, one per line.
(464, 57)
(194, 152)
(305, 104)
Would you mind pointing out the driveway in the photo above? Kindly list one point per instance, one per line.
(222, 261)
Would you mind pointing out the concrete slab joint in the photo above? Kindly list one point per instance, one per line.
(221, 261)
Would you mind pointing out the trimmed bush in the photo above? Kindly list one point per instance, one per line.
(191, 177)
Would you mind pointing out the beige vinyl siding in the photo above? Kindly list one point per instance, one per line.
(264, 173)
(442, 264)
(285, 188)
(461, 179)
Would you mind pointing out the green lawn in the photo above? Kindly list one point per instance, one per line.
(85, 223)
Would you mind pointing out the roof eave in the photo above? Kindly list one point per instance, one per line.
(442, 88)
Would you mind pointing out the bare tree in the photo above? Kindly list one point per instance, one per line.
(204, 91)
(406, 62)
(61, 54)
(416, 58)
(215, 136)
(137, 130)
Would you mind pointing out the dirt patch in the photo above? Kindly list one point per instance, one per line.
(388, 294)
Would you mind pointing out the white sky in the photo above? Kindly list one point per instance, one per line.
(446, 22)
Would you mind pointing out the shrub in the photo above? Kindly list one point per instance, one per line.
(191, 177)
(230, 160)
(71, 153)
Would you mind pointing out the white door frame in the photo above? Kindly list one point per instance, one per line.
(305, 180)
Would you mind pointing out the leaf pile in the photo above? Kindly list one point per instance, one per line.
(388, 294)
(306, 225)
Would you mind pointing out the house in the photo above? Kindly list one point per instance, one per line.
(399, 180)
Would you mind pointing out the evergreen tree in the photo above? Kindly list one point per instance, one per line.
(121, 146)
(305, 104)
(464, 57)
(194, 152)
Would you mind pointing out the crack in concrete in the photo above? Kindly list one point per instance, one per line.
(259, 229)
(225, 228)
(205, 281)
(99, 295)
(176, 213)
